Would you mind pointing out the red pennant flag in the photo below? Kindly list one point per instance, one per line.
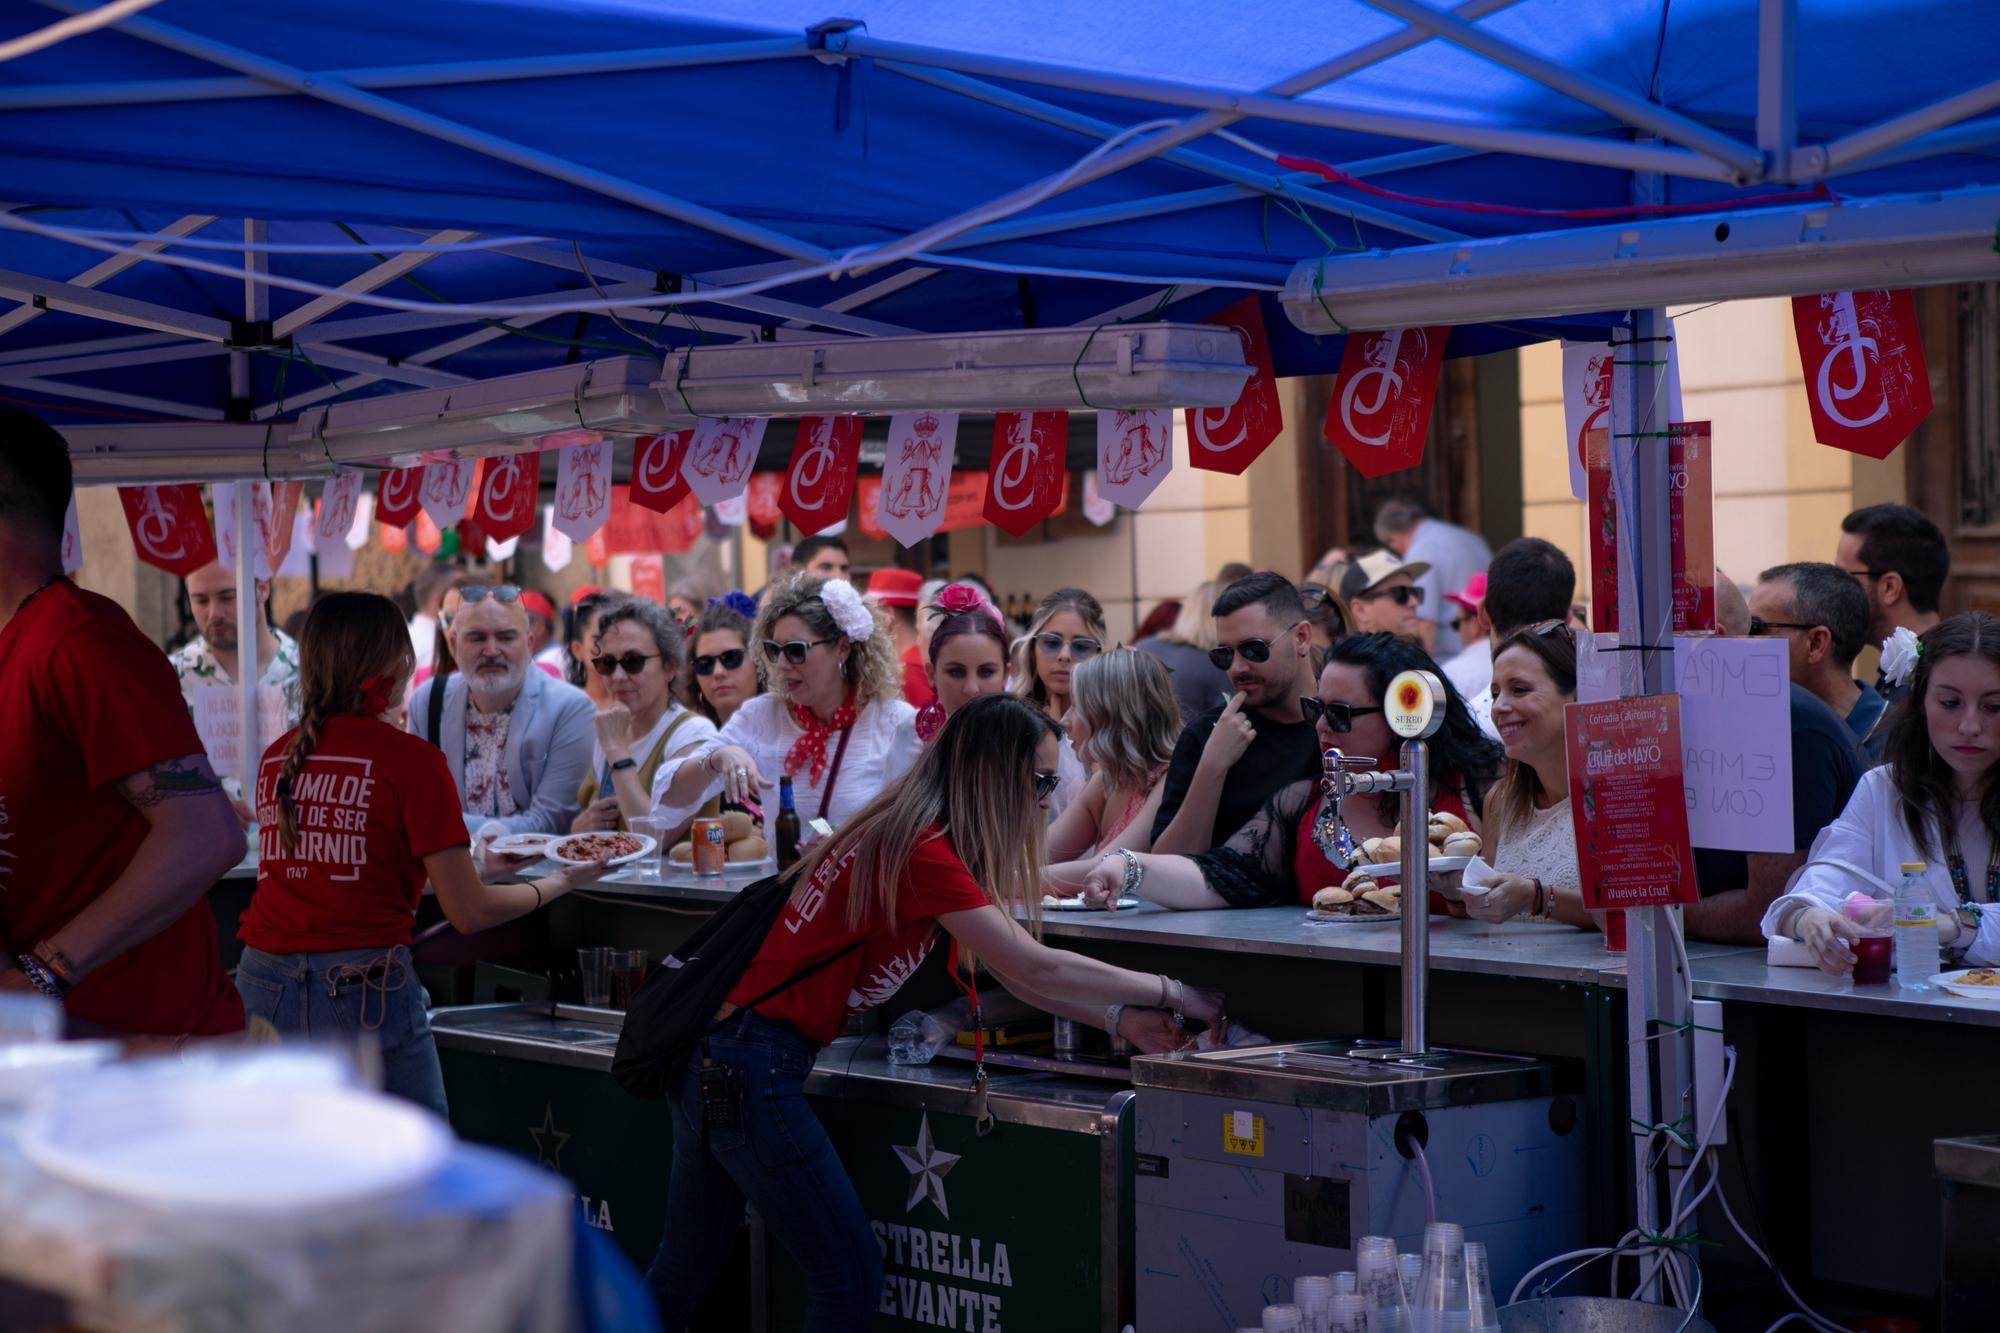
(657, 483)
(649, 578)
(766, 488)
(1026, 469)
(1229, 439)
(1382, 400)
(1866, 380)
(170, 527)
(285, 498)
(398, 496)
(508, 488)
(819, 481)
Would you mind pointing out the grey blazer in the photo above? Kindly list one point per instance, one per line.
(548, 747)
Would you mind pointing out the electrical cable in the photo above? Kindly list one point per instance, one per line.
(1424, 1174)
(41, 39)
(1812, 1316)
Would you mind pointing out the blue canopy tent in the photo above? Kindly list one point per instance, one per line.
(437, 194)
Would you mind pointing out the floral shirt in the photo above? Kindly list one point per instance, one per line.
(486, 790)
(196, 664)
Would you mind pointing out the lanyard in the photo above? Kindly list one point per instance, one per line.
(833, 774)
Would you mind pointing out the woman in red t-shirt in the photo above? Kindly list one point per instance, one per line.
(956, 846)
(355, 815)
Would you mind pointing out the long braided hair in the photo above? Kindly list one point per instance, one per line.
(349, 638)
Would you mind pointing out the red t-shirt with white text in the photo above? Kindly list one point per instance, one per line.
(372, 801)
(814, 925)
(85, 701)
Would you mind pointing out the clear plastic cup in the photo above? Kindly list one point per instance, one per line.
(1314, 1296)
(1442, 1304)
(628, 970)
(593, 965)
(1479, 1283)
(1411, 1266)
(648, 827)
(1283, 1319)
(1349, 1313)
(1343, 1283)
(1380, 1283)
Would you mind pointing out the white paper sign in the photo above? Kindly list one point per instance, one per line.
(218, 720)
(1736, 730)
(1589, 378)
(583, 489)
(556, 547)
(1095, 507)
(916, 474)
(721, 455)
(224, 496)
(446, 487)
(1135, 452)
(72, 544)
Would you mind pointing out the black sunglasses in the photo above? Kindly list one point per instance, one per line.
(730, 658)
(1339, 717)
(633, 663)
(1759, 627)
(793, 652)
(1045, 785)
(1079, 648)
(1402, 596)
(1253, 650)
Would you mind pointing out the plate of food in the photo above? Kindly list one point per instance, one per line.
(1051, 903)
(524, 844)
(1440, 865)
(1971, 983)
(584, 848)
(1359, 901)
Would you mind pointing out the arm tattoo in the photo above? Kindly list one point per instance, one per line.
(189, 776)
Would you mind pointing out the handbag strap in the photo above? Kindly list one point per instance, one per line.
(436, 702)
(1868, 877)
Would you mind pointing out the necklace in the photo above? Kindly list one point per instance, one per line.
(1962, 883)
(46, 584)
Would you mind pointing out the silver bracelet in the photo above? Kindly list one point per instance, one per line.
(1135, 874)
(1112, 1013)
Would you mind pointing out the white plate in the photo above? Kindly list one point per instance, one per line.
(646, 844)
(1079, 905)
(1949, 981)
(1313, 920)
(1440, 865)
(524, 844)
(25, 1068)
(239, 1149)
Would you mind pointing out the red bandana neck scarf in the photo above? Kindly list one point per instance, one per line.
(809, 750)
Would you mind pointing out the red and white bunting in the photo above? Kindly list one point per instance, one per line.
(557, 549)
(1381, 409)
(447, 488)
(1135, 452)
(72, 539)
(338, 505)
(398, 495)
(721, 456)
(1026, 470)
(1229, 439)
(819, 481)
(1590, 402)
(732, 512)
(657, 462)
(1866, 380)
(225, 495)
(583, 489)
(509, 487)
(428, 536)
(170, 528)
(762, 497)
(916, 474)
(1095, 507)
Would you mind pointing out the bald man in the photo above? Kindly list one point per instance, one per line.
(517, 741)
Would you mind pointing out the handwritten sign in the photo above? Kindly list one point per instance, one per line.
(218, 720)
(1735, 734)
(1632, 847)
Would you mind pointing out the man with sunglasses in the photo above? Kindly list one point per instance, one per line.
(1230, 760)
(1823, 615)
(518, 742)
(1382, 593)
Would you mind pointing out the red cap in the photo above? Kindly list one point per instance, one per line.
(895, 587)
(584, 590)
(535, 604)
(1473, 595)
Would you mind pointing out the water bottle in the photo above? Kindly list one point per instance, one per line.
(1916, 930)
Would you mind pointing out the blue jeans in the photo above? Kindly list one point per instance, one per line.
(333, 996)
(778, 1157)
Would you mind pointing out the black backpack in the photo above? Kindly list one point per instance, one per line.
(674, 1008)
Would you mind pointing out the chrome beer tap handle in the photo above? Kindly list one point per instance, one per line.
(1330, 831)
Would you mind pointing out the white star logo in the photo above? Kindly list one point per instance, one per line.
(548, 1139)
(927, 1167)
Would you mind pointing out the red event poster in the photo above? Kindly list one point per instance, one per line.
(1690, 515)
(1627, 802)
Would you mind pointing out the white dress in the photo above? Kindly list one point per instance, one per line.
(1542, 846)
(764, 727)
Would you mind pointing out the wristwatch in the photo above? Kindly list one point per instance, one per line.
(620, 765)
(1968, 924)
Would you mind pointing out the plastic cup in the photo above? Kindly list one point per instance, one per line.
(1343, 1283)
(1314, 1297)
(1379, 1281)
(648, 827)
(1349, 1313)
(1874, 953)
(1614, 932)
(628, 969)
(593, 965)
(1411, 1266)
(1485, 1314)
(1443, 1304)
(1283, 1319)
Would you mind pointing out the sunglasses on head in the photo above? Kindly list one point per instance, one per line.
(1402, 596)
(633, 663)
(1339, 717)
(1253, 650)
(1759, 627)
(794, 652)
(1079, 648)
(478, 592)
(730, 658)
(1045, 785)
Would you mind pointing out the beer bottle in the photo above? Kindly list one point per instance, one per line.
(787, 829)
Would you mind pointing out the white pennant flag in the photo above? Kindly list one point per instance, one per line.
(337, 506)
(1095, 507)
(225, 494)
(446, 488)
(1590, 378)
(583, 489)
(1135, 451)
(732, 512)
(721, 455)
(297, 563)
(556, 546)
(364, 522)
(72, 544)
(916, 474)
(502, 550)
(336, 557)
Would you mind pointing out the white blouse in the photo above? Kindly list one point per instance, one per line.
(765, 728)
(1870, 834)
(1542, 847)
(905, 748)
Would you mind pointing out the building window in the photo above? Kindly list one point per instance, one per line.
(1979, 403)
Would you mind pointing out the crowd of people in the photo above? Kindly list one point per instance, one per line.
(950, 765)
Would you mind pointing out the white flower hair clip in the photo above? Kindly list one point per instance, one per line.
(1900, 653)
(849, 612)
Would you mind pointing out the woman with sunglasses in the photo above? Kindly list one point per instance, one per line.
(955, 849)
(1123, 721)
(720, 673)
(1274, 858)
(829, 721)
(643, 737)
(1067, 629)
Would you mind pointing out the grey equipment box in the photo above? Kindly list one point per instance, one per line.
(1259, 1165)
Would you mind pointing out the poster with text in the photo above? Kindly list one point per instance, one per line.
(1690, 519)
(1626, 807)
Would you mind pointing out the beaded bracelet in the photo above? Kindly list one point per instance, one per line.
(43, 980)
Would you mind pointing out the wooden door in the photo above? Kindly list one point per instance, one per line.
(1952, 462)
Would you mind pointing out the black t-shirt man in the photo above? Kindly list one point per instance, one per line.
(1281, 754)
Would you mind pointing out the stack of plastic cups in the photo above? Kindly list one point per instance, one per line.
(1443, 1304)
(1283, 1319)
(1380, 1284)
(1479, 1282)
(1349, 1313)
(1343, 1283)
(1411, 1266)
(1314, 1297)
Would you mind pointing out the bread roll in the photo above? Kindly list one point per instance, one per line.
(736, 826)
(744, 849)
(1332, 898)
(1444, 825)
(682, 852)
(1360, 885)
(1390, 850)
(1388, 901)
(1462, 844)
(1371, 850)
